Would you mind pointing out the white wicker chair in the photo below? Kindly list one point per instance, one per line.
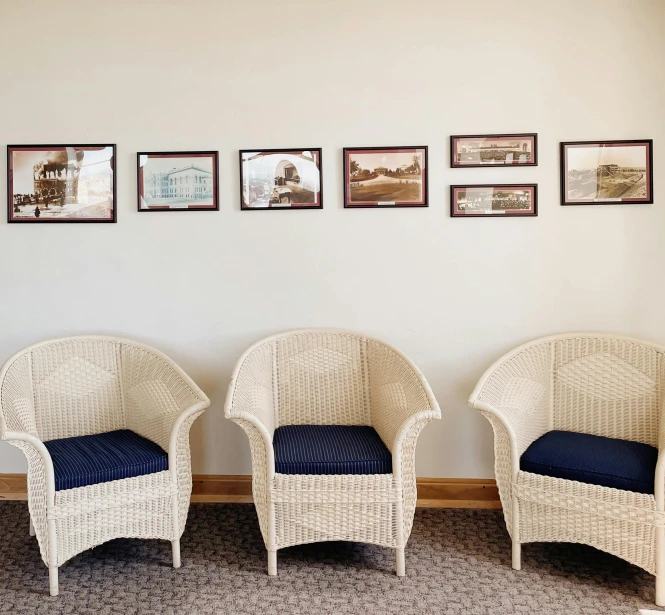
(591, 383)
(330, 377)
(89, 385)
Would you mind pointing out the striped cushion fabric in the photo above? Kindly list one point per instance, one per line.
(88, 460)
(330, 449)
(596, 460)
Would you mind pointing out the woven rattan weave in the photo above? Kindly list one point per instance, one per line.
(592, 383)
(88, 385)
(329, 377)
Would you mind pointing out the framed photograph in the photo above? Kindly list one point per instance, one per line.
(606, 172)
(61, 183)
(281, 179)
(385, 177)
(494, 200)
(494, 150)
(177, 181)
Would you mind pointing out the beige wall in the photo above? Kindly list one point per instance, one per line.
(453, 294)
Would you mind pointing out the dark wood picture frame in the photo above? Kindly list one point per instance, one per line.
(61, 173)
(515, 213)
(283, 185)
(379, 204)
(605, 170)
(532, 136)
(190, 204)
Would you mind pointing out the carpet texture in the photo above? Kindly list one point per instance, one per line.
(457, 562)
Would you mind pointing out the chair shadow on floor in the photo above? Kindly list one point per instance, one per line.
(453, 555)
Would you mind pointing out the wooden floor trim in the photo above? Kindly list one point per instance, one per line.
(432, 492)
(222, 488)
(13, 487)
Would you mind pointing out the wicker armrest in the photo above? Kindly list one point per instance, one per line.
(159, 396)
(514, 395)
(659, 487)
(17, 412)
(250, 404)
(18, 425)
(34, 447)
(159, 419)
(400, 396)
(515, 391)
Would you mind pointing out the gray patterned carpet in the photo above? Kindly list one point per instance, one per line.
(457, 562)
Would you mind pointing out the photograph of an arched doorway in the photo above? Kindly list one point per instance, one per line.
(280, 179)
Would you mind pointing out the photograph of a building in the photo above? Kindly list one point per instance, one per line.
(618, 171)
(65, 183)
(385, 177)
(280, 179)
(180, 180)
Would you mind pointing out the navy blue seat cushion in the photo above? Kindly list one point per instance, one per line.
(88, 460)
(595, 460)
(330, 449)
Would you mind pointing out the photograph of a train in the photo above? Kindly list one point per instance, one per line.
(61, 183)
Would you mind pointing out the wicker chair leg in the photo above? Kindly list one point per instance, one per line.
(32, 528)
(401, 564)
(660, 590)
(517, 547)
(660, 566)
(272, 563)
(53, 558)
(176, 553)
(517, 555)
(53, 580)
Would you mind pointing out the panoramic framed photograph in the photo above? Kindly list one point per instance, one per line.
(61, 183)
(606, 172)
(494, 150)
(177, 181)
(385, 177)
(494, 200)
(281, 179)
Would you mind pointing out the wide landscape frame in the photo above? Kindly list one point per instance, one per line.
(282, 150)
(563, 171)
(54, 147)
(180, 154)
(347, 151)
(508, 136)
(515, 213)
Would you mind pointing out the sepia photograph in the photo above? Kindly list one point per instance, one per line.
(281, 179)
(385, 177)
(61, 183)
(494, 150)
(606, 172)
(503, 200)
(177, 181)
